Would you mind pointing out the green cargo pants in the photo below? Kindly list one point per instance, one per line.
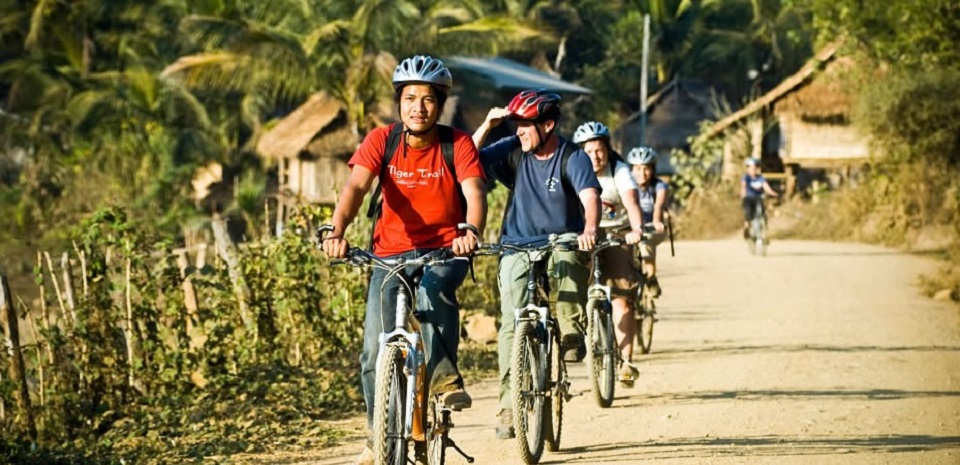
(569, 272)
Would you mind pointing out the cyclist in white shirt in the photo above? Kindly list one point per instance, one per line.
(620, 216)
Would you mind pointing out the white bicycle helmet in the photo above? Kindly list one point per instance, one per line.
(589, 131)
(750, 161)
(642, 156)
(422, 69)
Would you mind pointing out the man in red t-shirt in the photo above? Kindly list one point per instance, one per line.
(421, 210)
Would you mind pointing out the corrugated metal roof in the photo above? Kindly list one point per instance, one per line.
(504, 73)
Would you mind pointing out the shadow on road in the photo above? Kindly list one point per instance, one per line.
(769, 349)
(778, 394)
(692, 448)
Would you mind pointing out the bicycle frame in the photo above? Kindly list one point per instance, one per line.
(405, 338)
(536, 294)
(538, 333)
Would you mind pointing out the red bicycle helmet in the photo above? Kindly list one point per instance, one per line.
(535, 105)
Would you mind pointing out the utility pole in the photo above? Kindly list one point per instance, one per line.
(644, 71)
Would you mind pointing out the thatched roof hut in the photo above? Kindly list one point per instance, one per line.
(674, 114)
(790, 84)
(302, 129)
(311, 147)
(810, 111)
(824, 98)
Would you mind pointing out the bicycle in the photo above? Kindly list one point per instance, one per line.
(645, 307)
(758, 230)
(402, 388)
(603, 352)
(538, 372)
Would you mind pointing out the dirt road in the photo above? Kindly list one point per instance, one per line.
(820, 353)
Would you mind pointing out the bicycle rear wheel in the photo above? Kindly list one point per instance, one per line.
(389, 405)
(601, 353)
(647, 313)
(762, 238)
(436, 435)
(527, 385)
(558, 395)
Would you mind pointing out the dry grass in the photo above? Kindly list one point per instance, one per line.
(710, 213)
(918, 209)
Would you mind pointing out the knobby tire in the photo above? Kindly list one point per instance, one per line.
(389, 405)
(436, 437)
(558, 391)
(527, 385)
(601, 352)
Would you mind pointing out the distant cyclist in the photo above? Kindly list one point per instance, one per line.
(620, 216)
(752, 187)
(653, 202)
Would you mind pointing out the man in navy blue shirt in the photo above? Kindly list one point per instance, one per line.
(547, 199)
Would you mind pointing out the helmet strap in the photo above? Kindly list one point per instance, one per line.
(543, 137)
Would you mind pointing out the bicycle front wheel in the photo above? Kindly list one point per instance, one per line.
(389, 406)
(601, 353)
(527, 385)
(558, 395)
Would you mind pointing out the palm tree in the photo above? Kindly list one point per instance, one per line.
(83, 100)
(346, 48)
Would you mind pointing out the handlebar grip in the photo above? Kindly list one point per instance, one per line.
(322, 229)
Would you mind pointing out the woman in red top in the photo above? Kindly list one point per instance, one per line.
(421, 210)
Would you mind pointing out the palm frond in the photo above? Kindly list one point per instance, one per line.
(10, 22)
(182, 108)
(487, 36)
(87, 109)
(212, 32)
(37, 20)
(330, 31)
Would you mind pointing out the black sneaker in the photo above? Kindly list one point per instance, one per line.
(505, 424)
(654, 286)
(573, 348)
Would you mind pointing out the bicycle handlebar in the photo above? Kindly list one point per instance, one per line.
(356, 256)
(646, 232)
(553, 244)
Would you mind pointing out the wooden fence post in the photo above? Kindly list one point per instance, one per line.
(128, 328)
(68, 283)
(18, 372)
(189, 297)
(228, 253)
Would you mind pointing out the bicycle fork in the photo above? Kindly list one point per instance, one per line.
(414, 365)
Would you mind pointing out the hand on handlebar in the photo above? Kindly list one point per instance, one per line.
(633, 237)
(465, 245)
(333, 246)
(658, 226)
(587, 240)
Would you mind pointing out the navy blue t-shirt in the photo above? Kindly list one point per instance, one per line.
(754, 186)
(540, 205)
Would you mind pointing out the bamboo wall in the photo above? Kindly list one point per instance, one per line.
(809, 141)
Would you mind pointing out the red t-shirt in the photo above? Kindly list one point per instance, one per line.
(421, 208)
